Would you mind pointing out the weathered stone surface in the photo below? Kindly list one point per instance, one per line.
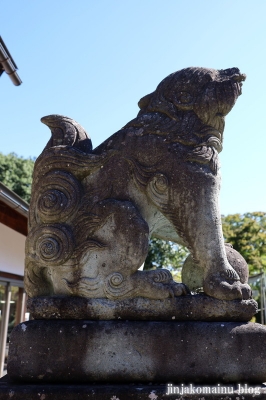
(72, 351)
(10, 390)
(93, 211)
(193, 274)
(185, 308)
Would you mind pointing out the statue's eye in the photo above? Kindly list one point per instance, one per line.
(184, 97)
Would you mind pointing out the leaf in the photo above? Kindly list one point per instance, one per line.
(16, 174)
(164, 254)
(247, 233)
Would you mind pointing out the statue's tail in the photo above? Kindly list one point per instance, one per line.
(67, 132)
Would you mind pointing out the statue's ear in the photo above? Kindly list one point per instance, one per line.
(144, 101)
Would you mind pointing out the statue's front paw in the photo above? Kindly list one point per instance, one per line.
(175, 289)
(246, 291)
(179, 289)
(226, 286)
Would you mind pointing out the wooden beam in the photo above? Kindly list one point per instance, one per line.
(6, 276)
(11, 218)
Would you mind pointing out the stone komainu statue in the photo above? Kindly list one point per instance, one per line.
(93, 211)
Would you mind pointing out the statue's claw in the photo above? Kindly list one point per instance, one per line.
(225, 287)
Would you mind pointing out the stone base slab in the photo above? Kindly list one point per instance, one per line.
(184, 308)
(12, 391)
(82, 351)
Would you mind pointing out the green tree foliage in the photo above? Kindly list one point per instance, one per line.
(164, 254)
(16, 174)
(247, 234)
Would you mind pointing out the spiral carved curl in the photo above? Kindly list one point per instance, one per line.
(59, 197)
(157, 189)
(116, 279)
(51, 245)
(160, 183)
(116, 286)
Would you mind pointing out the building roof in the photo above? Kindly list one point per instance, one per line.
(7, 64)
(13, 210)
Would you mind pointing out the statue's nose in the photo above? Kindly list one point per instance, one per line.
(233, 73)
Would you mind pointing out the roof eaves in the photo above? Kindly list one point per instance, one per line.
(8, 64)
(14, 201)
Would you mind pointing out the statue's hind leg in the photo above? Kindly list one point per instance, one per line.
(113, 244)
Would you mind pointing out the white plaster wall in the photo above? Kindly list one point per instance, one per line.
(12, 248)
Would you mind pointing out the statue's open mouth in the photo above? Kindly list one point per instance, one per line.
(238, 79)
(239, 88)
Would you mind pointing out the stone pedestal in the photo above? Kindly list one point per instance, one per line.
(82, 351)
(15, 391)
(184, 308)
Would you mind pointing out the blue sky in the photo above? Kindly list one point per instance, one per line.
(93, 61)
